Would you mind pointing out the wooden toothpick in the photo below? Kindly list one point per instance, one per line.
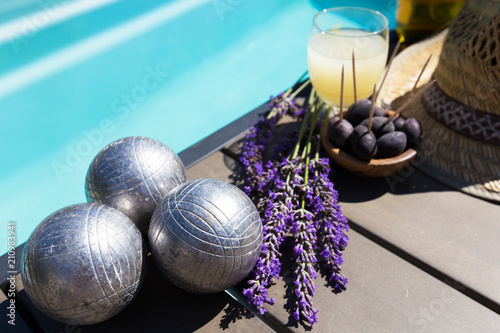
(354, 77)
(394, 52)
(419, 76)
(374, 97)
(342, 94)
(405, 105)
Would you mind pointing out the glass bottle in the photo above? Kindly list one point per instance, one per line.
(417, 19)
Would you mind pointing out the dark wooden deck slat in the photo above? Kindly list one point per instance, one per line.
(162, 307)
(21, 325)
(385, 292)
(450, 231)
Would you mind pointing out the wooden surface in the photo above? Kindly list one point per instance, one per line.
(387, 294)
(19, 321)
(448, 231)
(414, 242)
(422, 258)
(161, 307)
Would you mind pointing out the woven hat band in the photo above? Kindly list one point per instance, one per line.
(469, 64)
(461, 118)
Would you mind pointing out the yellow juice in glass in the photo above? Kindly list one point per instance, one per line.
(326, 53)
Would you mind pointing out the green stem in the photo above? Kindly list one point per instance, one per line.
(306, 153)
(311, 107)
(299, 89)
(316, 154)
(314, 107)
(308, 146)
(318, 145)
(289, 91)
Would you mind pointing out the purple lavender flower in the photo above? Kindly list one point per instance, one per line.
(254, 145)
(275, 212)
(304, 239)
(333, 225)
(294, 197)
(256, 140)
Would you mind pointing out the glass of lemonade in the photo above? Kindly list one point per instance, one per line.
(335, 34)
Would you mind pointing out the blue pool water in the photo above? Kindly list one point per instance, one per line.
(76, 75)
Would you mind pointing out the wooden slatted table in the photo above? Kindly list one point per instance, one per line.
(422, 258)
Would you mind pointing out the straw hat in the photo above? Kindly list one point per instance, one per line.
(460, 114)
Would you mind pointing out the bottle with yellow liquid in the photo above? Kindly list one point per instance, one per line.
(417, 19)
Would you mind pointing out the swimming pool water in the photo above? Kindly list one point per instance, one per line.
(77, 75)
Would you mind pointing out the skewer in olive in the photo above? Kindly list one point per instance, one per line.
(363, 140)
(379, 126)
(339, 129)
(411, 126)
(359, 110)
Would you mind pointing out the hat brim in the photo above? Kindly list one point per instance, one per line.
(458, 161)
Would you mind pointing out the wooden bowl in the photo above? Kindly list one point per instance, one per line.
(375, 168)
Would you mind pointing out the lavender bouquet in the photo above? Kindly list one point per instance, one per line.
(296, 201)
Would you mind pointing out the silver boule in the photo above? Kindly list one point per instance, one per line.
(206, 235)
(83, 264)
(133, 175)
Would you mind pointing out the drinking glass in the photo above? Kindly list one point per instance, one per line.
(335, 34)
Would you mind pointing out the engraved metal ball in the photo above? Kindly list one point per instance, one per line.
(206, 235)
(133, 175)
(83, 264)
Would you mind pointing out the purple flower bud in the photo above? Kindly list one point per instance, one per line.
(308, 211)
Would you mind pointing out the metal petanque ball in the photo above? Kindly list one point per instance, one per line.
(206, 235)
(83, 264)
(133, 175)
